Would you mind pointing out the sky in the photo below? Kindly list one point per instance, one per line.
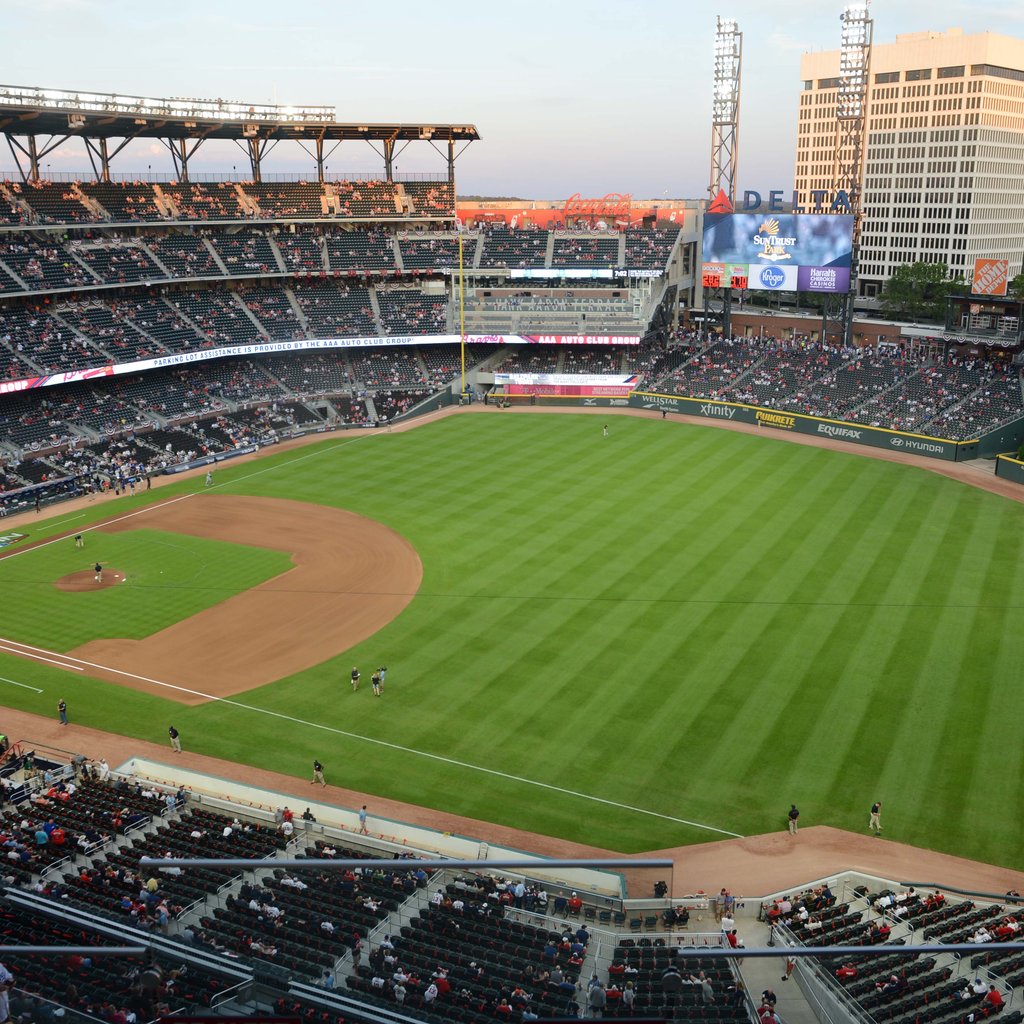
(568, 96)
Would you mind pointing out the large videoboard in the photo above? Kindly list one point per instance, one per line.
(781, 252)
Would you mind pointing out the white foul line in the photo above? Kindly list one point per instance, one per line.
(25, 654)
(24, 686)
(392, 746)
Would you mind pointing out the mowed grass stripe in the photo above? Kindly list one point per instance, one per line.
(705, 624)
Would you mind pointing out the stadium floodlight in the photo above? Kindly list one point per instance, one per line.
(175, 106)
(725, 106)
(851, 119)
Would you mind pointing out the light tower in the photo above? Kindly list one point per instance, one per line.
(725, 128)
(851, 114)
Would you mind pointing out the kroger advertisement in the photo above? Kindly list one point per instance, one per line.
(783, 252)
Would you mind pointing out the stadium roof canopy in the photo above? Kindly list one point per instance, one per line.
(183, 124)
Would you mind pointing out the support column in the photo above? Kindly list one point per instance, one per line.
(104, 161)
(254, 158)
(389, 160)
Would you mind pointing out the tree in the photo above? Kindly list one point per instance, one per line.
(1016, 288)
(919, 291)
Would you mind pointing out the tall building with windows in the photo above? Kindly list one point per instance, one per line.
(944, 152)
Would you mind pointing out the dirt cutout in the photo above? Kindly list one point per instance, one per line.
(351, 577)
(80, 582)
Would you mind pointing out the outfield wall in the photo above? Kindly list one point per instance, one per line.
(799, 423)
(1008, 468)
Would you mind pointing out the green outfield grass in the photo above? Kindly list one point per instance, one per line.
(696, 624)
(168, 577)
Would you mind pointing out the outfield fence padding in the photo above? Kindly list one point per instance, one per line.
(1008, 468)
(800, 423)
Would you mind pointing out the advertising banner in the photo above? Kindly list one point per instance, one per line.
(774, 419)
(774, 279)
(570, 390)
(606, 385)
(809, 245)
(276, 347)
(991, 277)
(823, 279)
(562, 379)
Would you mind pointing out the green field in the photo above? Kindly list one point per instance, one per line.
(168, 577)
(698, 625)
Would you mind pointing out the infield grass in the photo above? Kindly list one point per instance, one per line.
(168, 577)
(694, 623)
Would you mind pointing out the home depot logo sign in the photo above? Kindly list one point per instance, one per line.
(991, 277)
(615, 204)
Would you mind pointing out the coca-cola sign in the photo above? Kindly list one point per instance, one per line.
(615, 204)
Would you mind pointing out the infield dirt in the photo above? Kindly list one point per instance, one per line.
(351, 577)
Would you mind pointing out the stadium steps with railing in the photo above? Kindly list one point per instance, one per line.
(163, 202)
(272, 242)
(297, 310)
(216, 259)
(243, 305)
(14, 277)
(17, 203)
(375, 306)
(549, 249)
(141, 242)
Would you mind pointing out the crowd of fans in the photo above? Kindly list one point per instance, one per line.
(46, 202)
(98, 258)
(957, 397)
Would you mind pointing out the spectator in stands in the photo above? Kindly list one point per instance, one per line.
(993, 1001)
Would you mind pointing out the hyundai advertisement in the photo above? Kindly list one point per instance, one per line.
(783, 252)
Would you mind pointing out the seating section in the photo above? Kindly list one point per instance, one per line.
(410, 312)
(585, 251)
(504, 247)
(274, 312)
(219, 316)
(124, 201)
(184, 255)
(287, 199)
(392, 403)
(193, 201)
(429, 253)
(302, 251)
(118, 262)
(52, 202)
(642, 964)
(245, 252)
(360, 250)
(43, 265)
(430, 198)
(649, 248)
(102, 988)
(336, 312)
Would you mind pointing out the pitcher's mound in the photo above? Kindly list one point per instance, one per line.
(86, 580)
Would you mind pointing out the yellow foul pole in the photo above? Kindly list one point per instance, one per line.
(462, 315)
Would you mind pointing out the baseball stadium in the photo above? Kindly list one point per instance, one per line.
(498, 611)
